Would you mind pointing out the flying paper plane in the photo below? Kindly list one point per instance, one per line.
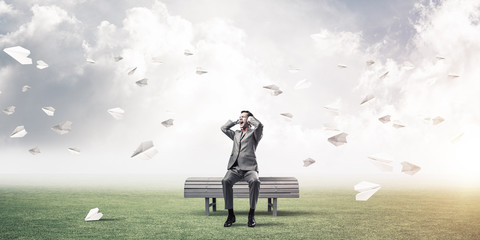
(437, 120)
(50, 111)
(89, 60)
(118, 58)
(397, 124)
(93, 215)
(275, 89)
(75, 151)
(440, 57)
(116, 113)
(383, 76)
(34, 151)
(19, 53)
(19, 132)
(453, 75)
(145, 151)
(307, 162)
(408, 65)
(288, 115)
(367, 98)
(409, 168)
(382, 163)
(338, 139)
(41, 64)
(26, 88)
(142, 82)
(384, 119)
(187, 52)
(369, 62)
(366, 189)
(132, 71)
(62, 128)
(168, 123)
(201, 71)
(303, 84)
(341, 66)
(9, 110)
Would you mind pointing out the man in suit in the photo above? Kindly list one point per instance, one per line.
(243, 163)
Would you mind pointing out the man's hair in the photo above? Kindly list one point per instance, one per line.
(249, 113)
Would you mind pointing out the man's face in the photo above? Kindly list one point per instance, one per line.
(242, 120)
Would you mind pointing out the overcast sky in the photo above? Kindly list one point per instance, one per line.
(243, 46)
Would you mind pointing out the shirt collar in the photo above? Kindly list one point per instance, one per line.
(244, 129)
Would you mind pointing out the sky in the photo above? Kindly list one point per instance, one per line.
(429, 49)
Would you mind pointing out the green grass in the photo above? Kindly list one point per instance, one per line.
(58, 213)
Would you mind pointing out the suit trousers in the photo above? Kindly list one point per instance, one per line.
(234, 175)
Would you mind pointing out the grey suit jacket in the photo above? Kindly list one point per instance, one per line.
(244, 144)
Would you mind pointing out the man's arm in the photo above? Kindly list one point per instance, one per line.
(226, 128)
(258, 132)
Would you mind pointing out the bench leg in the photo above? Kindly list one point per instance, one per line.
(207, 206)
(214, 204)
(274, 207)
(269, 204)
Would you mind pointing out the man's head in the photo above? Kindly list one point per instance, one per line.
(242, 120)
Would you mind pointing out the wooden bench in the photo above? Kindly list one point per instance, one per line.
(270, 187)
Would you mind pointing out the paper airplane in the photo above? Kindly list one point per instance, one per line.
(187, 52)
(26, 88)
(293, 69)
(93, 215)
(168, 123)
(18, 132)
(201, 71)
(19, 53)
(132, 71)
(9, 110)
(330, 127)
(307, 162)
(437, 120)
(75, 151)
(385, 119)
(397, 124)
(118, 58)
(381, 163)
(303, 84)
(145, 151)
(338, 139)
(453, 75)
(41, 64)
(288, 115)
(408, 65)
(409, 168)
(275, 89)
(116, 113)
(89, 60)
(142, 82)
(370, 62)
(34, 151)
(341, 66)
(50, 111)
(383, 76)
(367, 98)
(62, 128)
(366, 189)
(440, 57)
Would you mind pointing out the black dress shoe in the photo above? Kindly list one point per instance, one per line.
(230, 221)
(251, 221)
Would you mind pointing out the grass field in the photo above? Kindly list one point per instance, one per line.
(58, 213)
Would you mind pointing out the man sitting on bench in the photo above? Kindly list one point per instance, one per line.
(243, 163)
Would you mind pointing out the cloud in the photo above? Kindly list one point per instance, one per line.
(6, 9)
(331, 43)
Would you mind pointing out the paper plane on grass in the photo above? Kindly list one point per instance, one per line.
(367, 98)
(9, 110)
(75, 151)
(384, 119)
(19, 53)
(132, 71)
(19, 132)
(41, 64)
(410, 168)
(142, 82)
(93, 215)
(201, 71)
(307, 162)
(50, 111)
(34, 151)
(145, 151)
(366, 190)
(338, 139)
(168, 123)
(303, 84)
(382, 163)
(116, 113)
(275, 89)
(62, 128)
(26, 88)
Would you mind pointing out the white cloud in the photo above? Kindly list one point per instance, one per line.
(331, 43)
(6, 9)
